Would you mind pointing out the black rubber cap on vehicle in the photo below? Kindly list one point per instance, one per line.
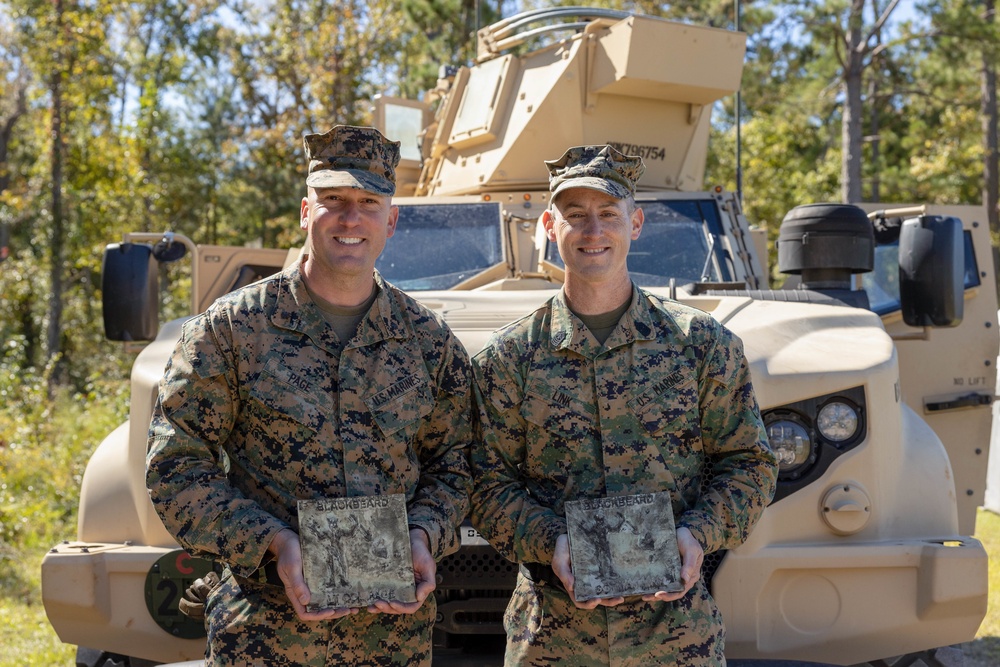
(835, 237)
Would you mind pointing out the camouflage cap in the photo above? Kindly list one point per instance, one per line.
(596, 167)
(354, 157)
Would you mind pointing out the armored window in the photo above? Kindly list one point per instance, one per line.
(439, 246)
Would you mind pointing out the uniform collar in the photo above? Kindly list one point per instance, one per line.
(384, 320)
(295, 310)
(568, 332)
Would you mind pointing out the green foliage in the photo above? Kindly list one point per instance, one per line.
(985, 650)
(786, 162)
(446, 31)
(187, 115)
(22, 300)
(174, 116)
(26, 638)
(988, 532)
(44, 447)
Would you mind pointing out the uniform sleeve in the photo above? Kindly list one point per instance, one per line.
(192, 419)
(441, 501)
(503, 510)
(741, 469)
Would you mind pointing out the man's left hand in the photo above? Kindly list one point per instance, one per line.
(287, 553)
(692, 556)
(563, 567)
(424, 575)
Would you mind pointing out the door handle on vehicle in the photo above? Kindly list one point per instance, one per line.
(972, 400)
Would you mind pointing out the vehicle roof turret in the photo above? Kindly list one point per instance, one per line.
(533, 91)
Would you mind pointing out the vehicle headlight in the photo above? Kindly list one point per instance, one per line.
(790, 442)
(837, 421)
(808, 435)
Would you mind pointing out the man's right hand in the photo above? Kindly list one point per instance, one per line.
(563, 568)
(288, 559)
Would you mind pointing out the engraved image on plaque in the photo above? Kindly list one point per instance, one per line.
(623, 545)
(356, 551)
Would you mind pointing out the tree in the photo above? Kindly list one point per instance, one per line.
(13, 99)
(120, 115)
(960, 56)
(66, 43)
(447, 32)
(66, 161)
(855, 46)
(988, 109)
(13, 107)
(302, 66)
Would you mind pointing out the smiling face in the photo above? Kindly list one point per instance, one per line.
(593, 231)
(347, 230)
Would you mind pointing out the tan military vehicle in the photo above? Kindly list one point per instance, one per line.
(873, 367)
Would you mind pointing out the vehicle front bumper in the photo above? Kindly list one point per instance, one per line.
(852, 603)
(95, 595)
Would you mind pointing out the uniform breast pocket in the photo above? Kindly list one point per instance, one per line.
(278, 415)
(670, 411)
(399, 409)
(560, 419)
(561, 445)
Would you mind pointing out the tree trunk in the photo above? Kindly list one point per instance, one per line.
(988, 108)
(58, 237)
(7, 131)
(851, 129)
(874, 191)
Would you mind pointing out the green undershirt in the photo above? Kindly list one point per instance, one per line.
(344, 320)
(603, 324)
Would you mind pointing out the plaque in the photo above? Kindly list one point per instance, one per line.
(623, 545)
(356, 551)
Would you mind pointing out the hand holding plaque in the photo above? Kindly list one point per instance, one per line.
(356, 551)
(623, 545)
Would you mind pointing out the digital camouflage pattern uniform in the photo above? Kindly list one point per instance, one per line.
(262, 405)
(354, 157)
(666, 404)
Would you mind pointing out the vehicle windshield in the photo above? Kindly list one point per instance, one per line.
(437, 246)
(677, 237)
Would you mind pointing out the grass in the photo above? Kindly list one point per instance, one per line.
(44, 446)
(26, 638)
(985, 650)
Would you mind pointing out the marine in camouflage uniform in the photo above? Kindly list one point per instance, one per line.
(264, 404)
(660, 401)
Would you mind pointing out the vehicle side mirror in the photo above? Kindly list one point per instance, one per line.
(932, 271)
(130, 287)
